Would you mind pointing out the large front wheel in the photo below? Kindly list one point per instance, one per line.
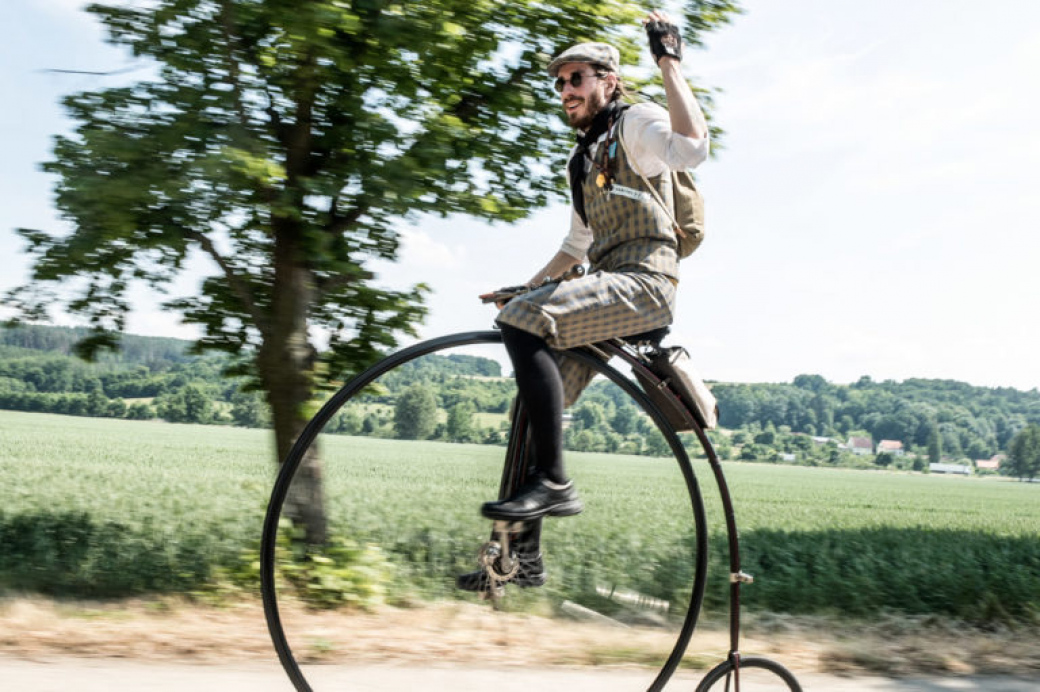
(625, 578)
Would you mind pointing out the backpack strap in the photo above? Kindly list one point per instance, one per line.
(653, 190)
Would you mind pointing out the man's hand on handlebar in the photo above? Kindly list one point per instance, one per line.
(507, 293)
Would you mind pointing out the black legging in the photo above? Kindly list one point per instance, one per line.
(540, 386)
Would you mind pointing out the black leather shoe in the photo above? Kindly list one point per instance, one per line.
(535, 499)
(530, 573)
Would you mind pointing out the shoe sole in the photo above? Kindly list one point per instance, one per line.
(564, 509)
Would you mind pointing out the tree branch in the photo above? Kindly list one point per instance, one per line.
(338, 224)
(301, 133)
(468, 108)
(234, 76)
(238, 286)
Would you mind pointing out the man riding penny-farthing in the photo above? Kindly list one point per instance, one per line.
(622, 193)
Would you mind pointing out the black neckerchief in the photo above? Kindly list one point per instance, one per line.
(576, 166)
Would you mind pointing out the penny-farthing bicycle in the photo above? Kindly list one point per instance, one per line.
(620, 576)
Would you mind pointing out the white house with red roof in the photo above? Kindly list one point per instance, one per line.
(991, 464)
(862, 446)
(893, 447)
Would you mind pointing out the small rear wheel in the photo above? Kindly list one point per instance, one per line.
(756, 674)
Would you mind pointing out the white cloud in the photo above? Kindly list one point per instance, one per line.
(420, 250)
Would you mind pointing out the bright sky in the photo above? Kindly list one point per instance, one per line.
(875, 210)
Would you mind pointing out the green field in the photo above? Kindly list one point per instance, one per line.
(109, 507)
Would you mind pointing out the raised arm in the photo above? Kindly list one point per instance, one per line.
(666, 45)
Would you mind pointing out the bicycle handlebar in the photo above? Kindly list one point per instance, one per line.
(504, 295)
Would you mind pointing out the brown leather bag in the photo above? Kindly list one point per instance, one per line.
(687, 212)
(679, 389)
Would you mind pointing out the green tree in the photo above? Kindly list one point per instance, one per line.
(581, 440)
(951, 443)
(248, 410)
(186, 405)
(722, 443)
(286, 142)
(460, 427)
(655, 445)
(934, 444)
(370, 424)
(347, 422)
(415, 416)
(97, 403)
(625, 420)
(140, 411)
(978, 449)
(589, 415)
(1023, 459)
(116, 408)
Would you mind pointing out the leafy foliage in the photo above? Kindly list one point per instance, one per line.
(39, 373)
(286, 143)
(774, 422)
(942, 417)
(340, 573)
(1024, 453)
(415, 415)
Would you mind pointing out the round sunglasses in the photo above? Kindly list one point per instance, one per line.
(575, 80)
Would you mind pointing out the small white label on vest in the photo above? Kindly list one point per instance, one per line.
(629, 192)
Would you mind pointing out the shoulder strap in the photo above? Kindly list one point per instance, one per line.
(653, 190)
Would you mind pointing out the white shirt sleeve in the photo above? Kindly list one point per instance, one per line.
(579, 239)
(655, 149)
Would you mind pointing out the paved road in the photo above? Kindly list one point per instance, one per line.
(110, 675)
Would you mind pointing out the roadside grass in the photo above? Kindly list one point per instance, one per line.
(170, 628)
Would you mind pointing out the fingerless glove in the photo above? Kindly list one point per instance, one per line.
(664, 40)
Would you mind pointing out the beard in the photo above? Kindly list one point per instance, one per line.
(581, 119)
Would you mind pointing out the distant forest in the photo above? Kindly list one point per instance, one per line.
(465, 398)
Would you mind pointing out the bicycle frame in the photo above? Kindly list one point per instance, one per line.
(515, 469)
(630, 354)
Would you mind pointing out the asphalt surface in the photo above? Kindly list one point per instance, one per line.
(113, 675)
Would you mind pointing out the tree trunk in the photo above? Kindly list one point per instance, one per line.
(286, 362)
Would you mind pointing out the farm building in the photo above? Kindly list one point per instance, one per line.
(958, 469)
(893, 447)
(863, 446)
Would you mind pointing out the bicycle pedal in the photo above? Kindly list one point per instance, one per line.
(492, 593)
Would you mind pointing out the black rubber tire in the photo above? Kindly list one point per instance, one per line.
(355, 386)
(720, 679)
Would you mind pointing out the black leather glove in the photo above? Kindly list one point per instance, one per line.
(664, 40)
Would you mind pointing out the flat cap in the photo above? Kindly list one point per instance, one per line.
(602, 54)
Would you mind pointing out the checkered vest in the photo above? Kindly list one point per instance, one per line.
(630, 230)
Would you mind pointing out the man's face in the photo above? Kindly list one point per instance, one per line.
(582, 102)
